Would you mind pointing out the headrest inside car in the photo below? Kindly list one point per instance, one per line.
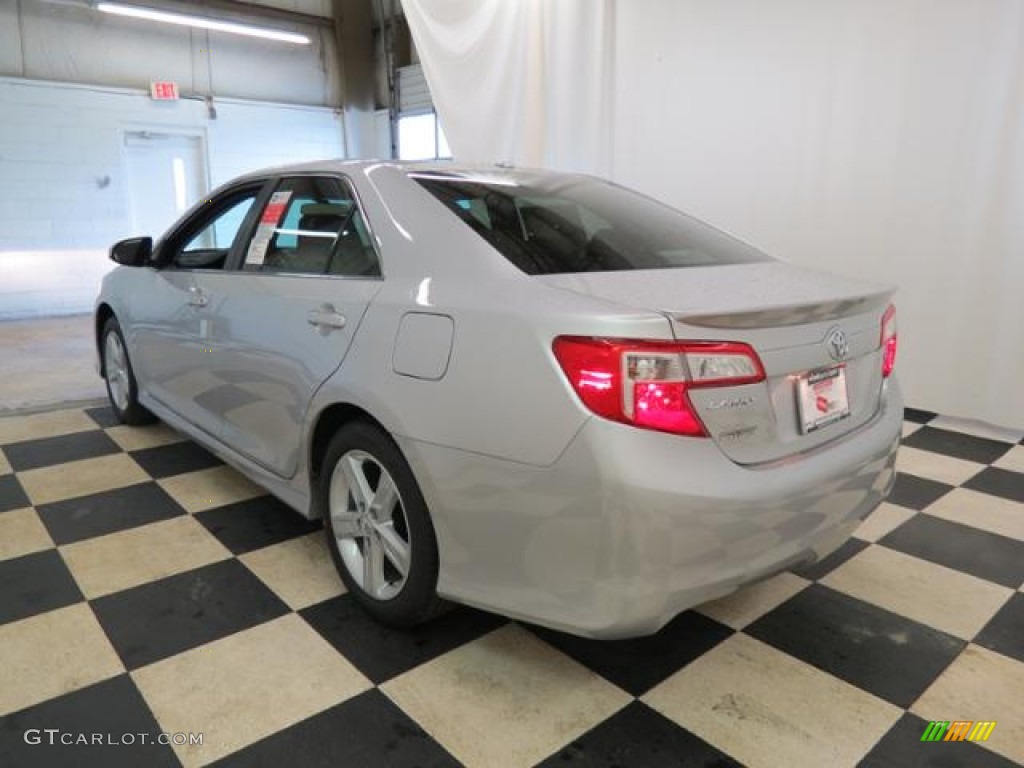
(325, 209)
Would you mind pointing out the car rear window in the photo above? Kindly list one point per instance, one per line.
(564, 224)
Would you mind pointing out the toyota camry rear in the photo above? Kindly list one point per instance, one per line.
(738, 415)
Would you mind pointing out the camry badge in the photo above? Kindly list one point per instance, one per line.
(837, 343)
(733, 402)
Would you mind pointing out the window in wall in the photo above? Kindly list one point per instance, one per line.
(178, 171)
(443, 150)
(420, 137)
(312, 225)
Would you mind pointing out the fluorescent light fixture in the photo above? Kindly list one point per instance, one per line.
(203, 22)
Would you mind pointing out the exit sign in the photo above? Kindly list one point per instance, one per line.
(163, 90)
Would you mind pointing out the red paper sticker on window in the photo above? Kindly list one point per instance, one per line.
(272, 213)
(275, 208)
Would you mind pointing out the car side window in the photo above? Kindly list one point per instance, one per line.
(312, 225)
(206, 241)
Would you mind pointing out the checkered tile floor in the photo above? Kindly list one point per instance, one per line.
(146, 588)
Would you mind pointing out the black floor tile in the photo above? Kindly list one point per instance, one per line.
(639, 736)
(255, 523)
(878, 651)
(11, 494)
(917, 492)
(103, 415)
(48, 451)
(902, 746)
(101, 513)
(818, 570)
(381, 652)
(918, 416)
(114, 709)
(368, 730)
(998, 482)
(957, 444)
(174, 459)
(157, 620)
(961, 547)
(34, 584)
(1005, 631)
(638, 664)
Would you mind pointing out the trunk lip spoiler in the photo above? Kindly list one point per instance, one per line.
(784, 315)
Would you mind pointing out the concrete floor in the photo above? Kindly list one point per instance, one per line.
(47, 361)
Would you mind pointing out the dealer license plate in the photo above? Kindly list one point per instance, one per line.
(822, 398)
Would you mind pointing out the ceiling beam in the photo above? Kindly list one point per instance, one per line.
(261, 11)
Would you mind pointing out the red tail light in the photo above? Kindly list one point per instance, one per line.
(646, 383)
(889, 340)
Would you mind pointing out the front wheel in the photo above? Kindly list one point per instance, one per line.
(122, 388)
(378, 527)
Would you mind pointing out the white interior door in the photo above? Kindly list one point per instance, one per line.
(166, 175)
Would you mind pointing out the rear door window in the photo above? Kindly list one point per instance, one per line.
(312, 225)
(561, 223)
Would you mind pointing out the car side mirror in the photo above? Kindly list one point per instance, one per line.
(133, 252)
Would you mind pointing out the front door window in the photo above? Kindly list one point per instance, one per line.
(205, 242)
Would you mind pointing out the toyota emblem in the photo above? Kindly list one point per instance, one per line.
(837, 343)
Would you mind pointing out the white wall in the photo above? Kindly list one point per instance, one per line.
(47, 41)
(63, 196)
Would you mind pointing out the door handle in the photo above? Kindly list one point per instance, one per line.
(327, 318)
(196, 298)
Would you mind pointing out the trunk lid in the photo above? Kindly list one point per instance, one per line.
(790, 316)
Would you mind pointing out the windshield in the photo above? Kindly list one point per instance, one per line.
(565, 224)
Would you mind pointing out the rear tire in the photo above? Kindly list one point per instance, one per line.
(378, 527)
(122, 388)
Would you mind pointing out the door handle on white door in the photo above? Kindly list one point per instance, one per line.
(327, 318)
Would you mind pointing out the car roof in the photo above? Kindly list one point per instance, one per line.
(434, 168)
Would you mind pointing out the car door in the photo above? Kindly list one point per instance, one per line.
(286, 318)
(174, 319)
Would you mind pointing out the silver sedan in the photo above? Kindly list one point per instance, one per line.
(540, 394)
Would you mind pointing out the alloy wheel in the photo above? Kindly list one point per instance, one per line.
(368, 520)
(115, 365)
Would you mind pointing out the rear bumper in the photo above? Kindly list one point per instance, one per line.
(630, 527)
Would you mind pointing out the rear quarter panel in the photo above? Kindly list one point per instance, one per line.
(503, 393)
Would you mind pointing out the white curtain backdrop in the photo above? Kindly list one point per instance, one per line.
(520, 81)
(883, 139)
